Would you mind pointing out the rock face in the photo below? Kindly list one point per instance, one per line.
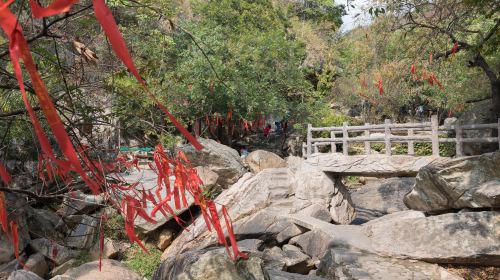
(471, 237)
(257, 203)
(59, 254)
(79, 203)
(221, 159)
(344, 264)
(470, 182)
(260, 160)
(319, 187)
(381, 197)
(207, 176)
(211, 265)
(37, 264)
(23, 275)
(370, 165)
(13, 202)
(82, 236)
(149, 180)
(111, 270)
(461, 238)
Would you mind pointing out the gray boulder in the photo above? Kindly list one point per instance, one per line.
(23, 275)
(258, 205)
(283, 275)
(84, 233)
(36, 263)
(111, 270)
(324, 189)
(467, 238)
(211, 265)
(340, 263)
(260, 160)
(469, 182)
(461, 238)
(79, 203)
(221, 159)
(17, 211)
(148, 179)
(51, 250)
(381, 197)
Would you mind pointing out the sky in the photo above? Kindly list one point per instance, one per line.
(350, 20)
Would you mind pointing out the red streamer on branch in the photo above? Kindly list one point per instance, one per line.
(108, 23)
(55, 8)
(4, 174)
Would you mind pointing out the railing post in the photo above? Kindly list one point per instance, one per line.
(411, 144)
(367, 143)
(316, 149)
(458, 140)
(345, 136)
(334, 147)
(304, 149)
(309, 140)
(435, 135)
(387, 137)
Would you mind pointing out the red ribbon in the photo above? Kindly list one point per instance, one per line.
(55, 8)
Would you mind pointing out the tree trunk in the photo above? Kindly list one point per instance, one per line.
(495, 98)
(480, 62)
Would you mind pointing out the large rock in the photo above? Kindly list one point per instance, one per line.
(260, 160)
(470, 182)
(221, 159)
(23, 275)
(111, 270)
(17, 211)
(340, 263)
(79, 203)
(293, 162)
(148, 179)
(283, 275)
(59, 254)
(251, 204)
(461, 238)
(324, 189)
(36, 263)
(111, 250)
(313, 243)
(468, 238)
(83, 235)
(207, 176)
(370, 165)
(42, 222)
(258, 205)
(381, 197)
(211, 265)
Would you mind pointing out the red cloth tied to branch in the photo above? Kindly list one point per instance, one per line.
(55, 8)
(4, 174)
(108, 23)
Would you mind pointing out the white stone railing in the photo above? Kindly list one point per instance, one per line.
(389, 133)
